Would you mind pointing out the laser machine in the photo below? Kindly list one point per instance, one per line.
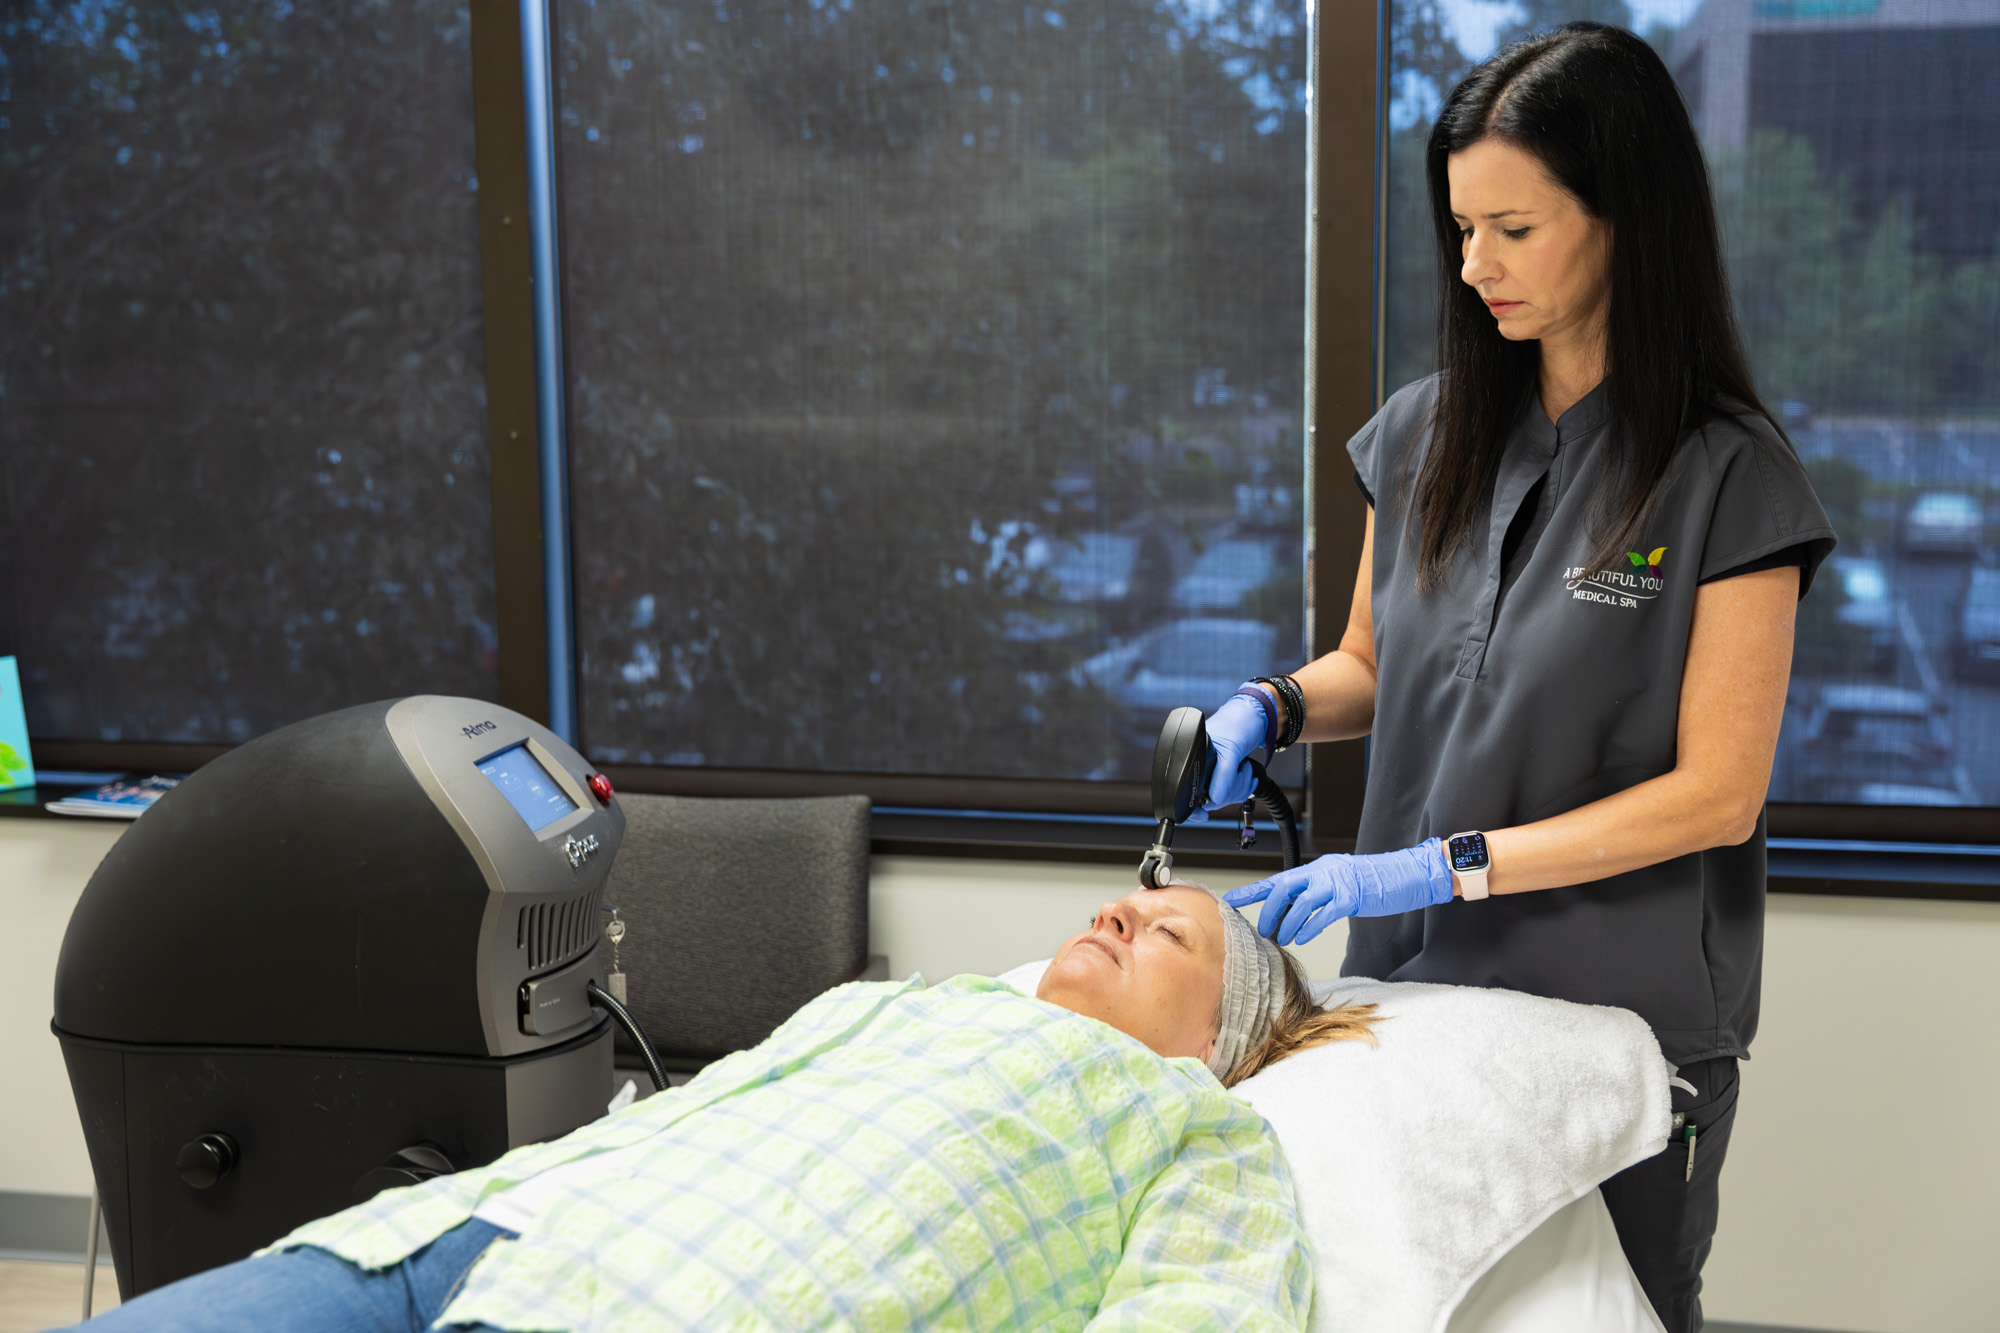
(354, 953)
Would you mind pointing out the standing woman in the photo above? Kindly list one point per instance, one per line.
(1572, 625)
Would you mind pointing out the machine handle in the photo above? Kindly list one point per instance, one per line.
(1183, 763)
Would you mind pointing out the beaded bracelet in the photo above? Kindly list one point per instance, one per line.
(1294, 699)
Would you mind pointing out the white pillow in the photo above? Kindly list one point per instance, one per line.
(1421, 1160)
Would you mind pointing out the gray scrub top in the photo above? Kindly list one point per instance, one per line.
(1518, 690)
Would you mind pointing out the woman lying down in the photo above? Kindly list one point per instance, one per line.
(961, 1156)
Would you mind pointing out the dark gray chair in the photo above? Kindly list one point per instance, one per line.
(737, 912)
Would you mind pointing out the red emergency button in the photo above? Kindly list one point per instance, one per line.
(600, 787)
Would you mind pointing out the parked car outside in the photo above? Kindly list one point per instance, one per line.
(1225, 574)
(1259, 506)
(1095, 582)
(1868, 607)
(1873, 734)
(1123, 573)
(1945, 522)
(1979, 624)
(1199, 661)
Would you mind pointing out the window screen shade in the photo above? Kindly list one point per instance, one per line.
(243, 475)
(918, 354)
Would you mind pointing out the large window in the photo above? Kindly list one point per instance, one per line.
(243, 473)
(934, 372)
(1859, 185)
(935, 376)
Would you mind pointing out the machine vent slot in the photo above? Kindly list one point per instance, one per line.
(552, 933)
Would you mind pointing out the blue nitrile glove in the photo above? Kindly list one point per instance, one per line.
(1234, 731)
(1301, 902)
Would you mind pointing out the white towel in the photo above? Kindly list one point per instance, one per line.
(1420, 1161)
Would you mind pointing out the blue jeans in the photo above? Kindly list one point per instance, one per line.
(312, 1291)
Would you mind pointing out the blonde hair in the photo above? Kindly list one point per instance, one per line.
(1302, 1025)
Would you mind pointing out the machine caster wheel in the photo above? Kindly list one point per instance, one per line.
(411, 1166)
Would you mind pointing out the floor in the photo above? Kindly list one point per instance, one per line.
(35, 1296)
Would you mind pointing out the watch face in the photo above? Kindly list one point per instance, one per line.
(1468, 852)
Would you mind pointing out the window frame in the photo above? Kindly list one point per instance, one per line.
(1346, 276)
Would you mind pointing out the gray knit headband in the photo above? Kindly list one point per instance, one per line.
(1253, 990)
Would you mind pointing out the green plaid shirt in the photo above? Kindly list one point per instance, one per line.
(893, 1157)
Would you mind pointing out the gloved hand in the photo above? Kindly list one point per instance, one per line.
(1234, 731)
(1300, 903)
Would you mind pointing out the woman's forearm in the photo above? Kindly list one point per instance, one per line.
(1732, 704)
(1340, 696)
(1669, 816)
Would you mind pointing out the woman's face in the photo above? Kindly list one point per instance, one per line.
(1541, 264)
(1151, 966)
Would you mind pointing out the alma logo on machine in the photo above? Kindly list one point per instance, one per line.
(579, 850)
(479, 729)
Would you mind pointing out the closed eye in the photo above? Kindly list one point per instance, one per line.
(1515, 233)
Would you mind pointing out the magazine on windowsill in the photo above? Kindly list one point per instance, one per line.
(127, 798)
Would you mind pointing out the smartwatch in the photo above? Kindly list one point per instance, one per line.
(1470, 862)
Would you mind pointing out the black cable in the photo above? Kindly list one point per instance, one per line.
(602, 999)
(1272, 795)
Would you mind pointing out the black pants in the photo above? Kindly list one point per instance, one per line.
(1665, 1220)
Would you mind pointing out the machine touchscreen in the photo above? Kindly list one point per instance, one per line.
(527, 786)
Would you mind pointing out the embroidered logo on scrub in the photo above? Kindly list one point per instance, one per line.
(1650, 563)
(1618, 587)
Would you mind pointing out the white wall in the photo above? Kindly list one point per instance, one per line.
(941, 916)
(1862, 1189)
(44, 864)
(1863, 1186)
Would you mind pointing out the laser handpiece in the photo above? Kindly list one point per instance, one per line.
(1183, 765)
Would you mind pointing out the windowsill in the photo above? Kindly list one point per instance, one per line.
(27, 803)
(1885, 870)
(1871, 870)
(1949, 872)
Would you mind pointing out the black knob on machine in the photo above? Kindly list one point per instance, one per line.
(409, 1166)
(205, 1160)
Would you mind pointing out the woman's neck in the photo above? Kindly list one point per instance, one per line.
(1570, 369)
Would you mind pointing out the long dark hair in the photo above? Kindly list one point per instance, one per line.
(1597, 108)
